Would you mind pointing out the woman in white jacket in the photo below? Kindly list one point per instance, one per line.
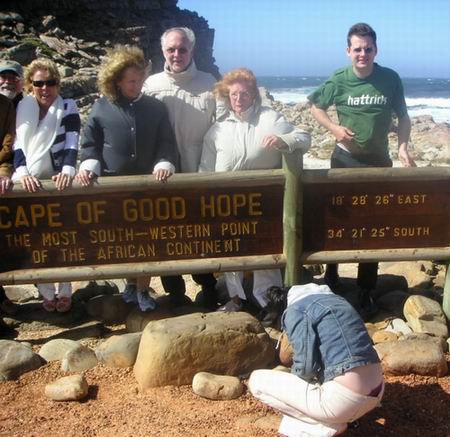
(249, 136)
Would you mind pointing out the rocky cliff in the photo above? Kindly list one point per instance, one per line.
(76, 34)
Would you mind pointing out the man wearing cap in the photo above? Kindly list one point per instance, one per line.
(7, 130)
(11, 80)
(11, 74)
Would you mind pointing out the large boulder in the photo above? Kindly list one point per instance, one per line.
(173, 350)
(137, 320)
(415, 273)
(17, 359)
(108, 308)
(421, 357)
(425, 315)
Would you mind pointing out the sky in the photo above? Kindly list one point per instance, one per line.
(308, 38)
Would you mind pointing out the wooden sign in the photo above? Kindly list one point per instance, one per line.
(379, 214)
(156, 224)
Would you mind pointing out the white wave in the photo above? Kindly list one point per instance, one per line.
(292, 95)
(437, 102)
(438, 108)
(440, 115)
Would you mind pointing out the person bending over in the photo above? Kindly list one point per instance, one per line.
(336, 375)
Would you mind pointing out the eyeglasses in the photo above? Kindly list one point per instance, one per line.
(41, 83)
(242, 95)
(9, 78)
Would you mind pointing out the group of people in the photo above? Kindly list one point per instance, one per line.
(179, 120)
(182, 120)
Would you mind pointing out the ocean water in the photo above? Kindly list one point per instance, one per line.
(423, 96)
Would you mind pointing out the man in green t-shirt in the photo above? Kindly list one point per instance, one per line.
(365, 95)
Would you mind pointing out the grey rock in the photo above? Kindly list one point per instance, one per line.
(67, 388)
(16, 359)
(54, 350)
(119, 350)
(425, 315)
(137, 320)
(421, 357)
(79, 359)
(412, 271)
(108, 308)
(92, 329)
(393, 301)
(217, 387)
(10, 18)
(83, 291)
(21, 293)
(173, 350)
(421, 336)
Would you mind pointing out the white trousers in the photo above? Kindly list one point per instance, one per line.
(310, 409)
(262, 281)
(48, 291)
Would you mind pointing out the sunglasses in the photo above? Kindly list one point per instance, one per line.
(41, 83)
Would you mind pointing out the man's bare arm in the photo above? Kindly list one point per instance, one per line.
(341, 133)
(404, 130)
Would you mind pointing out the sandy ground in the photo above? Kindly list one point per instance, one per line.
(412, 406)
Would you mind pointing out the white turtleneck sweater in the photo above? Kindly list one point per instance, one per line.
(191, 106)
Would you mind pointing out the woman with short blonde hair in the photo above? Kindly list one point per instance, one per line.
(46, 147)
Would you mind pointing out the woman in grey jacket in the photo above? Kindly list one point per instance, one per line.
(127, 133)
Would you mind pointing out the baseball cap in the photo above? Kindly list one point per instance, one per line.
(8, 65)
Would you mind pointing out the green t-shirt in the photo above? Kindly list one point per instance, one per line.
(364, 105)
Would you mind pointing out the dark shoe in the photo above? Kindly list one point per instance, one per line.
(178, 300)
(8, 307)
(208, 298)
(331, 278)
(268, 318)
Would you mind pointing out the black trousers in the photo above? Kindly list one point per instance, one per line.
(175, 284)
(367, 272)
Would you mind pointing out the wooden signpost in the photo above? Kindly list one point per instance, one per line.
(135, 224)
(132, 226)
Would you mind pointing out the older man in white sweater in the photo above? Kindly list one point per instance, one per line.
(186, 92)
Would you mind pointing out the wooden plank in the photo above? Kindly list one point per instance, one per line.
(135, 219)
(391, 213)
(292, 217)
(354, 256)
(114, 271)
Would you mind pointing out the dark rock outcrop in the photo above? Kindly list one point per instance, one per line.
(77, 33)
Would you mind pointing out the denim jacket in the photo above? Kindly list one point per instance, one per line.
(328, 337)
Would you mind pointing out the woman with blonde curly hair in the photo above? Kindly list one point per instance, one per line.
(46, 147)
(127, 133)
(249, 136)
